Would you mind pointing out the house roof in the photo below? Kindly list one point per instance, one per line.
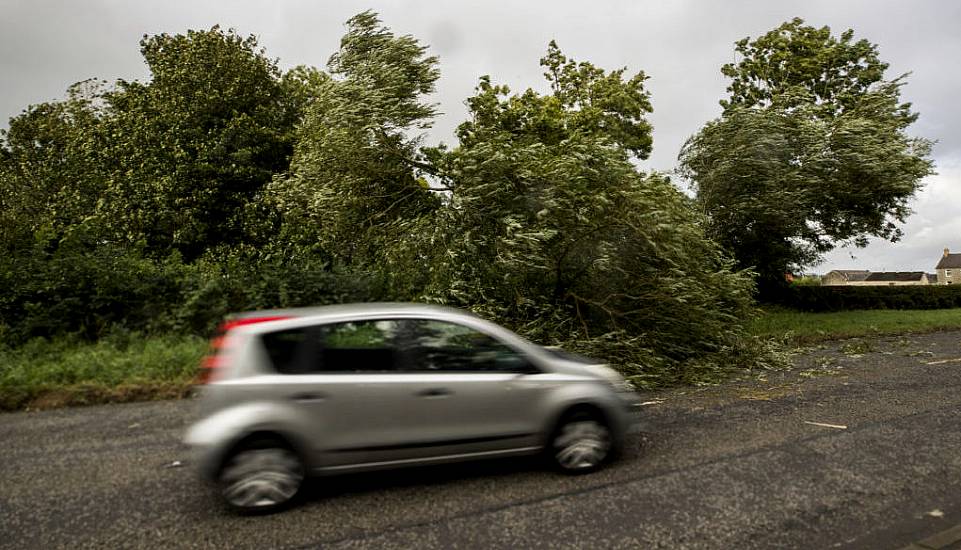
(950, 261)
(852, 274)
(896, 276)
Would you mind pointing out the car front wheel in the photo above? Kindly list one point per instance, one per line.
(261, 476)
(581, 443)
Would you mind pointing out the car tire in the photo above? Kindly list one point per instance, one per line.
(260, 476)
(581, 443)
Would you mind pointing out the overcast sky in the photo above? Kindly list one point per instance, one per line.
(47, 45)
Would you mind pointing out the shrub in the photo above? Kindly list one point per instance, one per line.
(243, 279)
(844, 298)
(53, 288)
(58, 287)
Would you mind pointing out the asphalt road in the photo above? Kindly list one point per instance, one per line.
(736, 466)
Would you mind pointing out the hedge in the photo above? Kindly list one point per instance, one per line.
(844, 298)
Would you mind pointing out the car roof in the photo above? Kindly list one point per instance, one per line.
(281, 319)
(364, 308)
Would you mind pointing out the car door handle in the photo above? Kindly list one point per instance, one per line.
(434, 392)
(308, 397)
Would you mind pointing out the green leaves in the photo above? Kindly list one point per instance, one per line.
(355, 182)
(388, 75)
(551, 230)
(796, 64)
(193, 146)
(601, 103)
(51, 166)
(811, 151)
(585, 100)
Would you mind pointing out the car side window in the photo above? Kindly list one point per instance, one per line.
(390, 345)
(289, 350)
(358, 346)
(441, 346)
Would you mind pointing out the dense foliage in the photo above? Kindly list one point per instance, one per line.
(189, 150)
(551, 229)
(223, 184)
(811, 151)
(355, 190)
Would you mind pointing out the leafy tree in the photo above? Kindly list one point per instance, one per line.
(796, 64)
(811, 152)
(50, 167)
(191, 148)
(585, 100)
(356, 183)
(551, 230)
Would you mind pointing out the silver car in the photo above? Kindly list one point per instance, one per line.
(371, 386)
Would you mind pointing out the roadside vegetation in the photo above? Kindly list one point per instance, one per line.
(222, 183)
(797, 327)
(119, 368)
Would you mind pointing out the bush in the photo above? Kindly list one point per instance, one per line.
(845, 298)
(56, 287)
(243, 279)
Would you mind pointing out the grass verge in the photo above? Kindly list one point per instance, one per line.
(120, 368)
(806, 328)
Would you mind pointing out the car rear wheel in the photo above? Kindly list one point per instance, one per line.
(261, 476)
(581, 443)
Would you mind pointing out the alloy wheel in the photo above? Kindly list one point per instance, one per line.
(581, 445)
(261, 479)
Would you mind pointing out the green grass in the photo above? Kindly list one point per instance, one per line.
(802, 328)
(126, 367)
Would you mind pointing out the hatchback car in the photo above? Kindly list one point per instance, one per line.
(352, 388)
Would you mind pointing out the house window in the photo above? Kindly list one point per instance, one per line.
(947, 272)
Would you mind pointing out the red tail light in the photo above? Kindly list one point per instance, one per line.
(215, 358)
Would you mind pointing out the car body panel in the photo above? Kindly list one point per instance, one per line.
(354, 421)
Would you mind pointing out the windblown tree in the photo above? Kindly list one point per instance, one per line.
(553, 231)
(811, 152)
(356, 187)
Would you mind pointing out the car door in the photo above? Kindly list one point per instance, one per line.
(363, 416)
(471, 393)
(339, 380)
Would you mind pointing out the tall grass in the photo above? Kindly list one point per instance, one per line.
(121, 367)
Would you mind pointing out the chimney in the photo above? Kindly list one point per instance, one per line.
(946, 252)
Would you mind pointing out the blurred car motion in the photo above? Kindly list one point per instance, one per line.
(351, 388)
